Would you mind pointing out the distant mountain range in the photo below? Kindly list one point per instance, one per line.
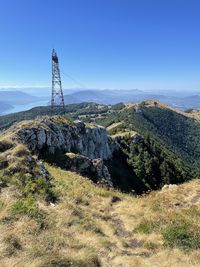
(17, 100)
(106, 96)
(17, 97)
(4, 107)
(10, 99)
(175, 100)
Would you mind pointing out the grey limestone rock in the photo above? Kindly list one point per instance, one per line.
(92, 142)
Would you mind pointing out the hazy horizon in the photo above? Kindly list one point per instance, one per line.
(16, 88)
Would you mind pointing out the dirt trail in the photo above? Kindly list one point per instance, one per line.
(195, 198)
(124, 243)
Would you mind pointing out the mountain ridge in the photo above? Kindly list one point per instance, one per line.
(40, 133)
(64, 185)
(51, 216)
(178, 100)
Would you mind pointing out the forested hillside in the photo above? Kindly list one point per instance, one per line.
(171, 140)
(173, 132)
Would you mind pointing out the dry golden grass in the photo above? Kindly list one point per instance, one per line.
(195, 114)
(148, 103)
(20, 151)
(86, 227)
(114, 125)
(128, 133)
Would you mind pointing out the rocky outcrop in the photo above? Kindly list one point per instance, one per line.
(169, 186)
(53, 133)
(89, 145)
(94, 168)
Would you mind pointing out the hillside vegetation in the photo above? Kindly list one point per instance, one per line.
(177, 134)
(92, 226)
(53, 216)
(167, 151)
(135, 162)
(83, 111)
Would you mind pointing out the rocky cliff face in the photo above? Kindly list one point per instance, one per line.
(90, 145)
(57, 133)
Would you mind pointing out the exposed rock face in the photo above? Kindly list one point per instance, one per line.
(90, 167)
(102, 172)
(89, 145)
(92, 142)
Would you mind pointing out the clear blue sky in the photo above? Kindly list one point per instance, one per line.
(142, 44)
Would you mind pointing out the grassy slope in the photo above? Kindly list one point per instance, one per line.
(85, 228)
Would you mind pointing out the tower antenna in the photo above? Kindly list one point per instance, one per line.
(57, 98)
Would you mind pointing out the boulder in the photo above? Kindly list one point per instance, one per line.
(169, 186)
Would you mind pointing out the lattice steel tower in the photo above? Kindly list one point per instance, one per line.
(57, 98)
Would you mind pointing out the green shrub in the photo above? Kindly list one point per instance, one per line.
(26, 206)
(38, 185)
(181, 235)
(147, 226)
(144, 228)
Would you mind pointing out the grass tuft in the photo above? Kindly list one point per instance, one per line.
(26, 206)
(181, 235)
